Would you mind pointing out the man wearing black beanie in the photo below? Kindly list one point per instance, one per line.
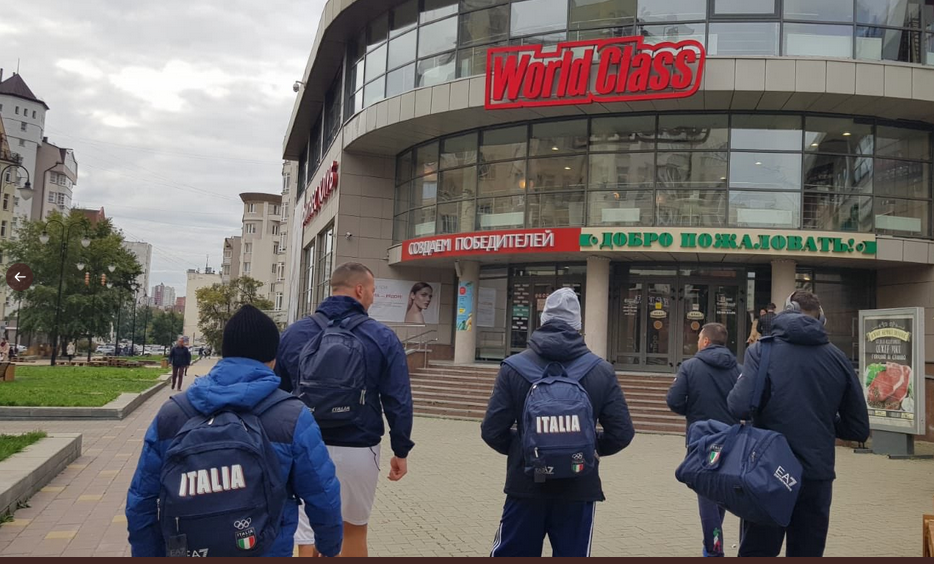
(239, 383)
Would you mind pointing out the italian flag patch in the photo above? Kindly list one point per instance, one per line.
(714, 456)
(246, 540)
(577, 467)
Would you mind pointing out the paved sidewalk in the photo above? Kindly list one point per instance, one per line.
(450, 502)
(80, 512)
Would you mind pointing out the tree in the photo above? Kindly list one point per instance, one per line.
(217, 304)
(87, 308)
(165, 328)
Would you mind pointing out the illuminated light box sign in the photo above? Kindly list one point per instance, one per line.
(496, 242)
(583, 72)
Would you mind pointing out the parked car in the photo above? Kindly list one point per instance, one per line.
(106, 349)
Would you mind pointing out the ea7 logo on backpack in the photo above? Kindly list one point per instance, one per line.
(785, 478)
(211, 480)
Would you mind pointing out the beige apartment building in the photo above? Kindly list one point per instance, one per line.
(230, 263)
(260, 256)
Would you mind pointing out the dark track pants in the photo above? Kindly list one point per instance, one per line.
(711, 518)
(525, 522)
(178, 372)
(807, 532)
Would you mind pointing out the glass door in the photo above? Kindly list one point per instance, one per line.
(694, 313)
(657, 314)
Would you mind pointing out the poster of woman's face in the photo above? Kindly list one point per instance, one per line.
(403, 301)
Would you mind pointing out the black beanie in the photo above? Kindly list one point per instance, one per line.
(250, 333)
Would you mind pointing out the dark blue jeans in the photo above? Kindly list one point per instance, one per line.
(807, 532)
(525, 522)
(711, 518)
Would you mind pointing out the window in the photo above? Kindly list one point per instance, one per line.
(332, 111)
(538, 16)
(278, 302)
(894, 13)
(672, 10)
(274, 267)
(733, 8)
(275, 248)
(484, 26)
(247, 248)
(437, 37)
(435, 70)
(280, 272)
(228, 253)
(226, 270)
(275, 228)
(34, 114)
(325, 246)
(51, 197)
(401, 51)
(3, 228)
(437, 9)
(17, 110)
(308, 279)
(251, 208)
(6, 202)
(878, 44)
(246, 268)
(727, 39)
(249, 228)
(22, 142)
(274, 210)
(819, 10)
(22, 126)
(818, 40)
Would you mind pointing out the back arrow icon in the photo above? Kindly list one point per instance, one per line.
(19, 277)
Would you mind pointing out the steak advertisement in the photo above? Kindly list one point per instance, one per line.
(887, 369)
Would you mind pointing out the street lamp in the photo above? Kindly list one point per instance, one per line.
(26, 191)
(66, 236)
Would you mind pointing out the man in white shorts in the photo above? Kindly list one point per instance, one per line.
(355, 446)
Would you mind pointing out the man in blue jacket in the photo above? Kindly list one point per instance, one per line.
(699, 392)
(240, 381)
(180, 359)
(813, 398)
(562, 508)
(355, 448)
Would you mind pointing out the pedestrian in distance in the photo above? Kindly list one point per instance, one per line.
(70, 351)
(813, 397)
(180, 359)
(4, 350)
(554, 393)
(699, 392)
(350, 369)
(225, 464)
(766, 320)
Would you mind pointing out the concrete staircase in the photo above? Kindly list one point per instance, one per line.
(462, 392)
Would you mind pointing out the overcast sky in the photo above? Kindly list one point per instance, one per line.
(173, 108)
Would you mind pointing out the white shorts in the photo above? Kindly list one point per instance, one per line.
(358, 472)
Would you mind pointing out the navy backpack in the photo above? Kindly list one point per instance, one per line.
(222, 491)
(332, 372)
(751, 472)
(559, 432)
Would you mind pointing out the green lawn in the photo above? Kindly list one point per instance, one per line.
(73, 386)
(11, 444)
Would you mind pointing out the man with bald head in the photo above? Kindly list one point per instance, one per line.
(354, 446)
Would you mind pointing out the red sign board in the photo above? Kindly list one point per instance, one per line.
(322, 193)
(493, 242)
(582, 72)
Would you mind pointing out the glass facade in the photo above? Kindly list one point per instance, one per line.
(428, 42)
(771, 171)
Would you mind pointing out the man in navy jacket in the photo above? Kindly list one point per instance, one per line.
(813, 398)
(699, 392)
(564, 508)
(355, 448)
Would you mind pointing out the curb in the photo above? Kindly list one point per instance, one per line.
(117, 409)
(27, 472)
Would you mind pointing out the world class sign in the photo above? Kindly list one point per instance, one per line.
(729, 241)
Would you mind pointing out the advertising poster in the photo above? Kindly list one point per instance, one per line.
(406, 301)
(486, 307)
(891, 368)
(465, 314)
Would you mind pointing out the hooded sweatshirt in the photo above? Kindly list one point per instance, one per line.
(813, 396)
(703, 384)
(241, 383)
(556, 341)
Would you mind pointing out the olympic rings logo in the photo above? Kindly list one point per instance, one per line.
(242, 524)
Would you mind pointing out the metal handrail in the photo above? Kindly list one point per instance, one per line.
(413, 337)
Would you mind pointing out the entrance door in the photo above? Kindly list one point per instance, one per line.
(659, 321)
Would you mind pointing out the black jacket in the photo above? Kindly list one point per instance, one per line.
(180, 356)
(813, 395)
(703, 384)
(556, 341)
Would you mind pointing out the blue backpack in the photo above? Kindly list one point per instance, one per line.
(332, 372)
(222, 490)
(559, 431)
(751, 472)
